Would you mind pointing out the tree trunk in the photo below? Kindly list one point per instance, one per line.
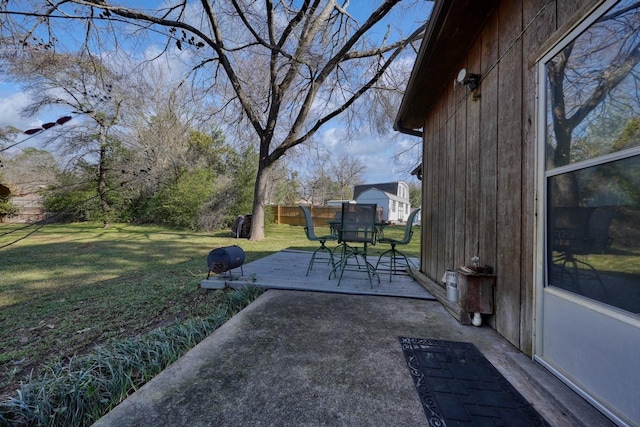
(565, 187)
(259, 201)
(102, 178)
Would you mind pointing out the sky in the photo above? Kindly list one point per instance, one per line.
(375, 151)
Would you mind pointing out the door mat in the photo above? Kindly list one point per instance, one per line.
(458, 386)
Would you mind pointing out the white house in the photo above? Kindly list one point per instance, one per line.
(393, 197)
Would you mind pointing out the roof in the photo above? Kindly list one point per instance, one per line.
(386, 194)
(453, 26)
(387, 187)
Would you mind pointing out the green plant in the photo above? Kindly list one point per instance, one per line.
(6, 207)
(179, 203)
(79, 390)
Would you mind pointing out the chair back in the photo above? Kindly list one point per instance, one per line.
(408, 229)
(308, 228)
(358, 223)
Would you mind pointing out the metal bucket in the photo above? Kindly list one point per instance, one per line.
(226, 258)
(451, 278)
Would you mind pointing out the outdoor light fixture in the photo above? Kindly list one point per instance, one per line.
(471, 81)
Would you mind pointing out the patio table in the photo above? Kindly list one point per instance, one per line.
(334, 226)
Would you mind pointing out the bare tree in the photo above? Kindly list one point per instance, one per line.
(348, 173)
(280, 68)
(168, 135)
(83, 86)
(318, 181)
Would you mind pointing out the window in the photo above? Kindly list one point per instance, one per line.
(592, 152)
(393, 206)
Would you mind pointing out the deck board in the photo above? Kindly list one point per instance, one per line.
(286, 270)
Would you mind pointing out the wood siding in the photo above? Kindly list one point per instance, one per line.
(480, 160)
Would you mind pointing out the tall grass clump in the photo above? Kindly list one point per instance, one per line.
(77, 391)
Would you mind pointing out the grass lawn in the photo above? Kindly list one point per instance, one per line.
(68, 288)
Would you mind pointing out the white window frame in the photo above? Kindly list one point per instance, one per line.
(543, 174)
(541, 191)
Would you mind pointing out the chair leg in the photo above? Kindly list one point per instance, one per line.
(393, 261)
(322, 248)
(355, 253)
(406, 262)
(370, 268)
(344, 250)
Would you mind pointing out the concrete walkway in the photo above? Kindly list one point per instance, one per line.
(296, 358)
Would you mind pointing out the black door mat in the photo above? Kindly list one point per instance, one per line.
(458, 386)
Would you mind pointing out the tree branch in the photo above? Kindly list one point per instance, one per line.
(609, 79)
(290, 143)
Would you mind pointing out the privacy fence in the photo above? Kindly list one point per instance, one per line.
(292, 215)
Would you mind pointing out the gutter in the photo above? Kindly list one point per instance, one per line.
(413, 132)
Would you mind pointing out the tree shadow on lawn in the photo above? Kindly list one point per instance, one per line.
(61, 299)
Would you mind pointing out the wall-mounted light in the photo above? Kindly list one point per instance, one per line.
(471, 81)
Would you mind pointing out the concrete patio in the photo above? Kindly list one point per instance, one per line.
(286, 270)
(310, 358)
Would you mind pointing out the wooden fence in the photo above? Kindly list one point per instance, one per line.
(293, 214)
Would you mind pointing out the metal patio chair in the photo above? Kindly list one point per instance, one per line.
(311, 235)
(395, 254)
(358, 227)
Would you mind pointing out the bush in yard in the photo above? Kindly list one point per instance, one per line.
(71, 202)
(79, 390)
(6, 207)
(179, 203)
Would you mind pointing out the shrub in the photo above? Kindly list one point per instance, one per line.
(179, 203)
(6, 207)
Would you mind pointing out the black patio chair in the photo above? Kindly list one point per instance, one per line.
(395, 254)
(311, 235)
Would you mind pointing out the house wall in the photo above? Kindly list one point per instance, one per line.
(479, 159)
(403, 191)
(378, 197)
(30, 210)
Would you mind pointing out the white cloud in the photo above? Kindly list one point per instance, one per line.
(10, 107)
(377, 152)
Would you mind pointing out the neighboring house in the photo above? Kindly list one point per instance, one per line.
(30, 206)
(392, 197)
(532, 162)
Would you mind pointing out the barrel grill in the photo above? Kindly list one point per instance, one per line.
(225, 259)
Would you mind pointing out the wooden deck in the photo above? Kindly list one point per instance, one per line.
(286, 270)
